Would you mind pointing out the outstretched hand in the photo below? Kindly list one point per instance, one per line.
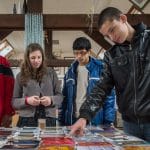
(78, 128)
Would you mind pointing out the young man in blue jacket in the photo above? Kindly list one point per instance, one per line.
(127, 67)
(81, 77)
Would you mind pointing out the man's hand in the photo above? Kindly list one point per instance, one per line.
(6, 121)
(78, 127)
(46, 101)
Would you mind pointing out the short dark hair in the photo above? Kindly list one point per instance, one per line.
(108, 14)
(81, 43)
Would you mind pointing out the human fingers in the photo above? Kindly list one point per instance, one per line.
(33, 100)
(46, 101)
(78, 127)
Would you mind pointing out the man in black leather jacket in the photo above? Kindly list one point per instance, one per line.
(127, 67)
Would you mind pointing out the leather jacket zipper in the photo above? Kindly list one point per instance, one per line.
(135, 91)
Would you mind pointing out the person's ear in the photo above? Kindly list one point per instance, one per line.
(123, 18)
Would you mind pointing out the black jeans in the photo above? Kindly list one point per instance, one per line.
(33, 122)
(141, 130)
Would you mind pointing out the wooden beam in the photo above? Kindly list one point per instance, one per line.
(50, 63)
(133, 8)
(99, 39)
(15, 62)
(59, 63)
(63, 22)
(99, 52)
(52, 21)
(35, 6)
(4, 34)
(48, 45)
(12, 22)
(133, 19)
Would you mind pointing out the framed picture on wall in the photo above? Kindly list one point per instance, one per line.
(140, 3)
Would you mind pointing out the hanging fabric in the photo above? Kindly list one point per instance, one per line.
(34, 29)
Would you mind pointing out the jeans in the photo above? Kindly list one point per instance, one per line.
(141, 130)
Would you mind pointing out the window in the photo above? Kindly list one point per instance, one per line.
(6, 49)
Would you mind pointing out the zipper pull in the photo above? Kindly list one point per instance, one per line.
(130, 47)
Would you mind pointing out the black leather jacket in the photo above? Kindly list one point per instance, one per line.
(127, 67)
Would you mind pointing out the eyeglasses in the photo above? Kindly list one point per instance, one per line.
(79, 52)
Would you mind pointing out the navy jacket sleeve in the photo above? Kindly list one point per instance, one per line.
(109, 108)
(63, 105)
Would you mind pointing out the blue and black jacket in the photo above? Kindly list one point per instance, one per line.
(67, 112)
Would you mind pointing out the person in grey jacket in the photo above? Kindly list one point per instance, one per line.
(37, 92)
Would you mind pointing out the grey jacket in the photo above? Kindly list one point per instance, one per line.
(49, 87)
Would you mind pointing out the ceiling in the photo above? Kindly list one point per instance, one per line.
(65, 38)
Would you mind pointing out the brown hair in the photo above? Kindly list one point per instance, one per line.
(108, 14)
(27, 71)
